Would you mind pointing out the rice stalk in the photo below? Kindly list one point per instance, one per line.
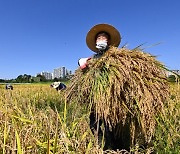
(5, 135)
(56, 136)
(123, 86)
(19, 149)
(23, 119)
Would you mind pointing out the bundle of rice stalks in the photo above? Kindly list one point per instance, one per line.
(125, 88)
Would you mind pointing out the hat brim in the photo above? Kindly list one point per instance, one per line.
(115, 37)
(56, 84)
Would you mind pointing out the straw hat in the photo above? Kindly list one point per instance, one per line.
(56, 84)
(115, 37)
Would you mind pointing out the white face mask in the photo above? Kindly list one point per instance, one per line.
(101, 45)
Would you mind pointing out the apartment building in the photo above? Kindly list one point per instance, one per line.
(175, 72)
(59, 72)
(47, 75)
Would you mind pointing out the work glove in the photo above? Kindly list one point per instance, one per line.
(82, 62)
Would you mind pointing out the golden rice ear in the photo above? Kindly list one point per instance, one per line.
(123, 86)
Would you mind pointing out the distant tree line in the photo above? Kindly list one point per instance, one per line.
(30, 79)
(41, 78)
(173, 78)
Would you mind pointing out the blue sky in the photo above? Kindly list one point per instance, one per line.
(40, 35)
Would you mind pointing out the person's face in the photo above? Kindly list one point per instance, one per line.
(102, 37)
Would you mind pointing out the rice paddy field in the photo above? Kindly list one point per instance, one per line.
(34, 118)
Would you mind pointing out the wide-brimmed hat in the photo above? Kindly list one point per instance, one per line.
(115, 37)
(55, 84)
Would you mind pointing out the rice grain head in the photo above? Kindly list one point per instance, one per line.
(125, 87)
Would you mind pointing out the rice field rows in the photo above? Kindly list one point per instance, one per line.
(35, 118)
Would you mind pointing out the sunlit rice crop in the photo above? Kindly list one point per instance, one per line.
(124, 87)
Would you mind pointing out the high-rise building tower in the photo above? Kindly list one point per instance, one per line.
(59, 72)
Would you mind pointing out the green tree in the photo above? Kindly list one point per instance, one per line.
(42, 77)
(172, 78)
(19, 79)
(23, 78)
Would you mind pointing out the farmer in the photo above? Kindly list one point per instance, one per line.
(9, 86)
(58, 86)
(99, 39)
